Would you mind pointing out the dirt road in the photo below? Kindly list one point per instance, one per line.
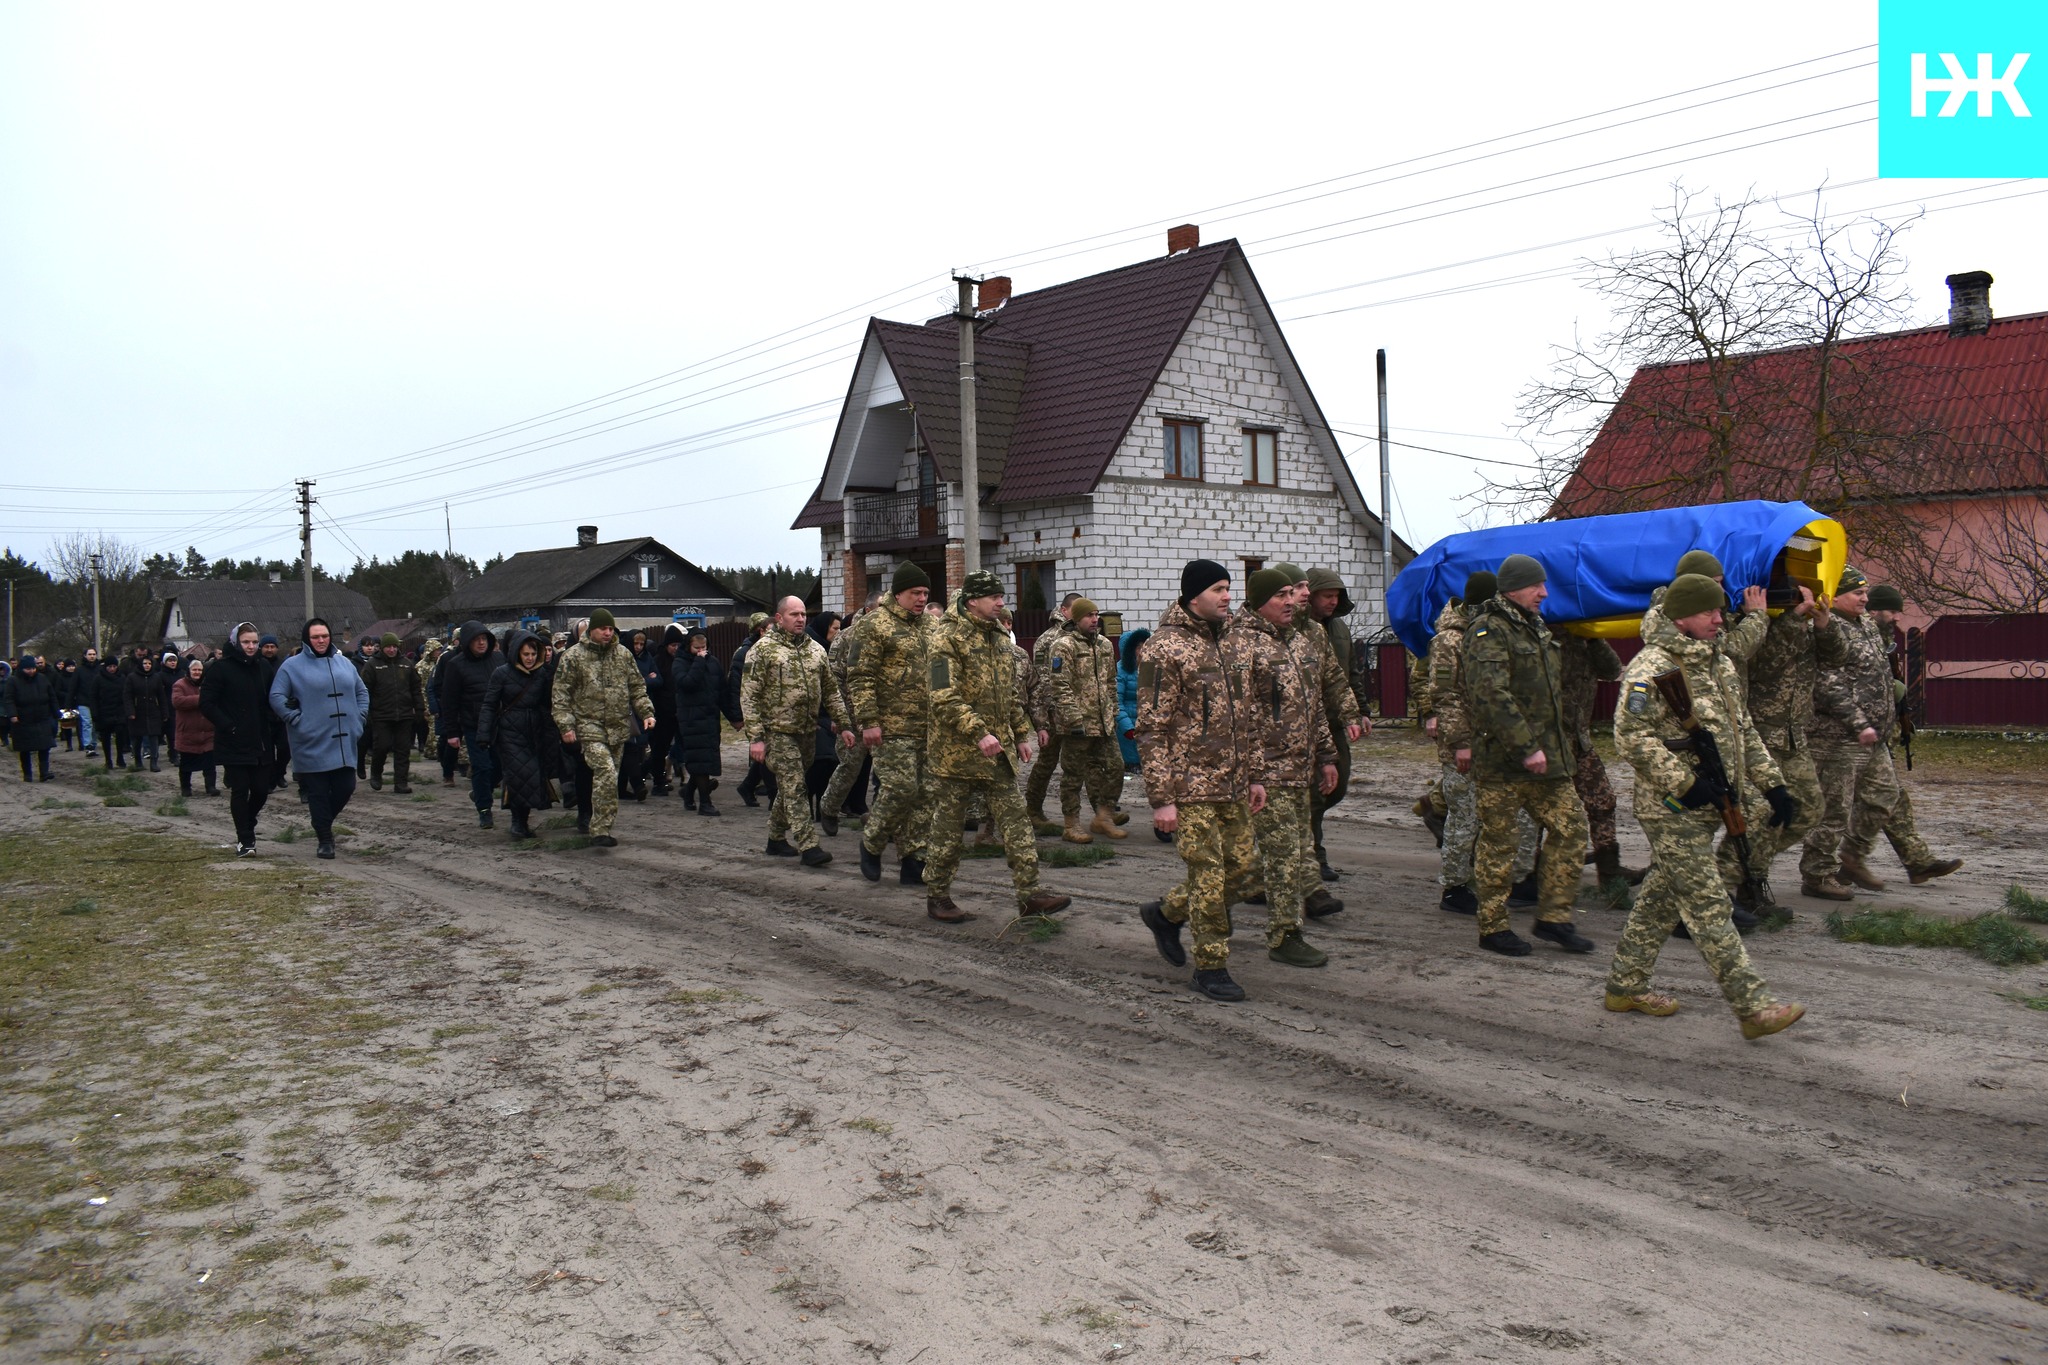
(679, 1102)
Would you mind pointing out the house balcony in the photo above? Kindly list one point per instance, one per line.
(882, 523)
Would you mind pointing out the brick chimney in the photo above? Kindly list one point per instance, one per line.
(1186, 237)
(586, 535)
(1969, 303)
(993, 292)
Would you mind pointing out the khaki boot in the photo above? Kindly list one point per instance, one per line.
(1827, 889)
(1106, 827)
(1075, 834)
(1853, 870)
(986, 834)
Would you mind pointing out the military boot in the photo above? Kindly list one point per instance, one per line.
(1772, 1019)
(942, 909)
(815, 857)
(1320, 903)
(1459, 900)
(911, 873)
(1565, 935)
(1926, 873)
(1105, 827)
(1507, 943)
(870, 864)
(1074, 834)
(781, 848)
(1295, 951)
(1217, 985)
(1853, 870)
(1165, 933)
(1524, 892)
(1046, 903)
(1825, 889)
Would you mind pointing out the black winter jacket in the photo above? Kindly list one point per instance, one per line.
(517, 721)
(145, 702)
(394, 687)
(107, 695)
(235, 696)
(28, 708)
(464, 676)
(699, 686)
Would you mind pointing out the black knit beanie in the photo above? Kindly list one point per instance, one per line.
(1199, 576)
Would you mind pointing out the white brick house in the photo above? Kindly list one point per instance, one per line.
(1128, 422)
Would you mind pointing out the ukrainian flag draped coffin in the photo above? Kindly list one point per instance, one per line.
(1603, 569)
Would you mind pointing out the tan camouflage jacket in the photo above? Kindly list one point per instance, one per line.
(599, 692)
(886, 678)
(1447, 682)
(787, 680)
(1856, 693)
(1291, 734)
(839, 657)
(1038, 680)
(1197, 737)
(1586, 663)
(1512, 682)
(1644, 725)
(972, 669)
(1782, 676)
(1333, 675)
(1080, 680)
(1742, 632)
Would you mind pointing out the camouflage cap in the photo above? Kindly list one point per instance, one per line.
(1853, 580)
(981, 583)
(1885, 597)
(757, 620)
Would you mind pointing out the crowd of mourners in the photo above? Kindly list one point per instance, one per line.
(925, 718)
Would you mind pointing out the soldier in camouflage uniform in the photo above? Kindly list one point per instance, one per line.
(1585, 662)
(852, 759)
(889, 683)
(1453, 710)
(788, 681)
(1677, 807)
(1199, 751)
(1296, 756)
(599, 699)
(1080, 687)
(976, 723)
(1797, 644)
(1869, 819)
(1853, 707)
(1520, 758)
(1322, 604)
(1430, 806)
(1035, 707)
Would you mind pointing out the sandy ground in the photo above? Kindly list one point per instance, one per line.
(679, 1102)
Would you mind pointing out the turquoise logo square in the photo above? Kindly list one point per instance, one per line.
(1962, 88)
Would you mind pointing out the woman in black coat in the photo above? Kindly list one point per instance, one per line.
(517, 721)
(107, 695)
(29, 706)
(145, 694)
(699, 684)
(235, 695)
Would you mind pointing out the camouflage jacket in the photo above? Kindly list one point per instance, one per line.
(1586, 663)
(1333, 675)
(1419, 704)
(1290, 734)
(786, 682)
(972, 669)
(1038, 678)
(1197, 737)
(1742, 632)
(1447, 699)
(840, 658)
(1782, 675)
(1080, 680)
(1856, 693)
(1513, 684)
(599, 692)
(1644, 727)
(886, 678)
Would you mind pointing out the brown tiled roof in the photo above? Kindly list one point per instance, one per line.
(818, 512)
(926, 360)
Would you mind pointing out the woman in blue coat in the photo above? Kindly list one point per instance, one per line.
(1127, 695)
(324, 704)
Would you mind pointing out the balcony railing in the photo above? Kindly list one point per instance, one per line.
(888, 518)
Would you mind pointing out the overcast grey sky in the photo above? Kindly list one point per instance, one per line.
(245, 244)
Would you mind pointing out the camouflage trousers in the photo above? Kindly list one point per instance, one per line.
(1855, 783)
(851, 761)
(1287, 858)
(1094, 764)
(789, 759)
(903, 811)
(1765, 843)
(1869, 820)
(1589, 779)
(1461, 830)
(1684, 884)
(603, 762)
(1215, 841)
(1040, 781)
(951, 797)
(1553, 805)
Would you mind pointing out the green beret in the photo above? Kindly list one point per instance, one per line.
(1692, 593)
(908, 576)
(1885, 597)
(1852, 581)
(1699, 562)
(390, 640)
(1479, 587)
(1294, 575)
(1264, 583)
(981, 583)
(1517, 572)
(602, 617)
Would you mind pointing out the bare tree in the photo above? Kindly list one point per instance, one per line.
(124, 591)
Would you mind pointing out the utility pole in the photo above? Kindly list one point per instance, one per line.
(1386, 491)
(970, 454)
(99, 641)
(448, 564)
(306, 540)
(10, 618)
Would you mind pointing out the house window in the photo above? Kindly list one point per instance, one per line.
(1262, 457)
(1252, 566)
(1183, 450)
(1035, 585)
(647, 583)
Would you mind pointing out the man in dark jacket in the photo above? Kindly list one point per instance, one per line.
(235, 695)
(272, 654)
(397, 701)
(657, 668)
(465, 673)
(28, 703)
(110, 712)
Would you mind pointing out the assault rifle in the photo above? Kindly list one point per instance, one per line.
(1699, 742)
(1906, 730)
